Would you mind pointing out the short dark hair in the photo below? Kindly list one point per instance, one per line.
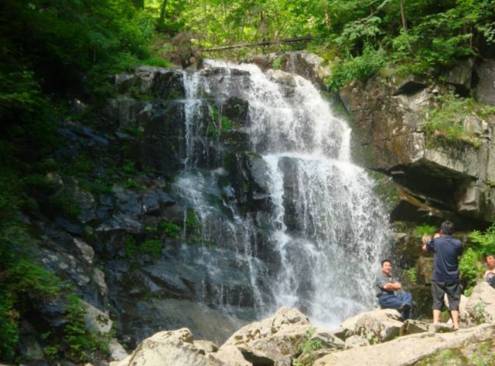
(489, 255)
(447, 227)
(385, 261)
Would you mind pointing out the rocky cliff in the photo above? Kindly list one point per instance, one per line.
(121, 221)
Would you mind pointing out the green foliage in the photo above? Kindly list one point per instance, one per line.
(484, 242)
(357, 68)
(471, 264)
(83, 346)
(219, 123)
(306, 347)
(21, 279)
(445, 123)
(277, 63)
(193, 225)
(411, 275)
(9, 335)
(470, 267)
(424, 229)
(152, 247)
(170, 229)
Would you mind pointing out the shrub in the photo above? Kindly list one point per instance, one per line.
(357, 68)
(470, 267)
(445, 122)
(83, 346)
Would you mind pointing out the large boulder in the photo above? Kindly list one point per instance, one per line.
(375, 326)
(480, 306)
(172, 348)
(277, 338)
(410, 350)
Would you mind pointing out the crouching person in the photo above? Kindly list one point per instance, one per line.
(389, 292)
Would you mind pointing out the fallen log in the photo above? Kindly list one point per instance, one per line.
(259, 44)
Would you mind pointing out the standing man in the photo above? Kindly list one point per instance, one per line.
(389, 292)
(447, 251)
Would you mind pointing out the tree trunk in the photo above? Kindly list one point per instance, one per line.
(403, 15)
(161, 19)
(260, 44)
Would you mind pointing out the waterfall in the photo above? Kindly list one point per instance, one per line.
(327, 228)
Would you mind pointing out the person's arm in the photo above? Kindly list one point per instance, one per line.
(426, 240)
(392, 286)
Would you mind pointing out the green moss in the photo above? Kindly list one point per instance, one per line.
(152, 247)
(478, 354)
(169, 229)
(219, 123)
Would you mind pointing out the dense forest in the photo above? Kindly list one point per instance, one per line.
(57, 53)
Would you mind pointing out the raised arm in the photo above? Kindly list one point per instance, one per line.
(425, 240)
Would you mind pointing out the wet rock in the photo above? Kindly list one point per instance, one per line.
(237, 110)
(162, 147)
(305, 64)
(155, 81)
(140, 316)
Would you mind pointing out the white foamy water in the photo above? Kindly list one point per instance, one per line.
(328, 229)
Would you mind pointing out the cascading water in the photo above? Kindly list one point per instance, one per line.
(327, 228)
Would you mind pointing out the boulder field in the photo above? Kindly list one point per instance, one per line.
(374, 338)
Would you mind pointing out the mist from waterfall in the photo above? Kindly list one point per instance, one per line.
(327, 227)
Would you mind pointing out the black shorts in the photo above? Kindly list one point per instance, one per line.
(453, 291)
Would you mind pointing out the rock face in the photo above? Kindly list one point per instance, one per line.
(388, 116)
(485, 89)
